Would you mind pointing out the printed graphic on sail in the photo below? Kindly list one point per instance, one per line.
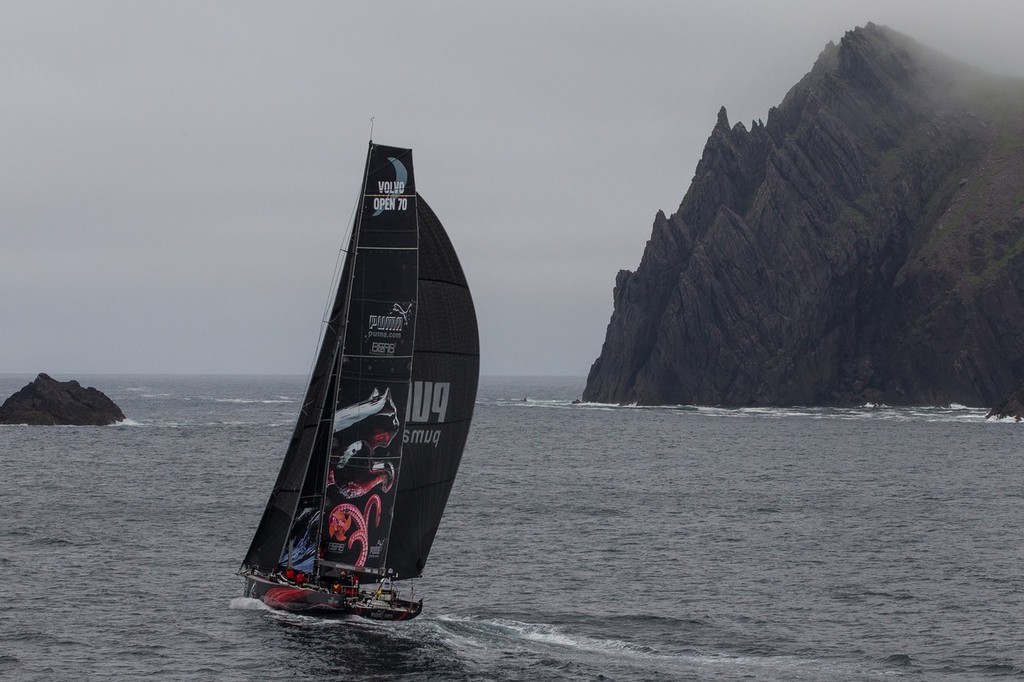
(375, 368)
(301, 550)
(382, 425)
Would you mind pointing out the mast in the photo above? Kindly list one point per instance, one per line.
(302, 476)
(392, 392)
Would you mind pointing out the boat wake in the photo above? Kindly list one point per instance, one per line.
(474, 647)
(477, 631)
(555, 647)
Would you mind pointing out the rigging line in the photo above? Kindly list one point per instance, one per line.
(342, 252)
(339, 263)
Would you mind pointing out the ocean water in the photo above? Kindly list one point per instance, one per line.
(581, 542)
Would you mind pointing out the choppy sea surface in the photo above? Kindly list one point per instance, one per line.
(581, 542)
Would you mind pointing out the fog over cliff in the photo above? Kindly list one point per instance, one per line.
(865, 243)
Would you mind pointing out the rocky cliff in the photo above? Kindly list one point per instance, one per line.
(47, 401)
(865, 244)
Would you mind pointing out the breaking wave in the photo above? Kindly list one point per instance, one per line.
(871, 411)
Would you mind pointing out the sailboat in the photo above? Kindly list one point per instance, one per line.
(384, 420)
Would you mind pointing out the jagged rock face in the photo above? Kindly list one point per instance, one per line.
(866, 244)
(47, 401)
(1010, 406)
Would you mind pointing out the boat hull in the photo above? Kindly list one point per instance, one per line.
(313, 602)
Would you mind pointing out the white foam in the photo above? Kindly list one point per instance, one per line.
(253, 401)
(542, 634)
(481, 630)
(247, 604)
(868, 411)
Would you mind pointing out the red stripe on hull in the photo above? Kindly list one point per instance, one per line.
(319, 603)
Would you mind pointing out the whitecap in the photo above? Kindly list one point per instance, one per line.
(127, 422)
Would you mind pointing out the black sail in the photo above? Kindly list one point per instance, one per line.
(376, 366)
(385, 417)
(306, 456)
(364, 364)
(441, 400)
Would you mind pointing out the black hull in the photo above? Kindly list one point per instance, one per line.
(321, 603)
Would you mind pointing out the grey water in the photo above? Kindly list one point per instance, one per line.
(581, 542)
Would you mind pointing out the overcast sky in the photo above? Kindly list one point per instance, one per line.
(176, 178)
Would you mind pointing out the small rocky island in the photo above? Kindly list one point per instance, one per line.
(47, 401)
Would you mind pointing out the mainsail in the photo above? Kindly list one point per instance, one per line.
(386, 414)
(445, 371)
